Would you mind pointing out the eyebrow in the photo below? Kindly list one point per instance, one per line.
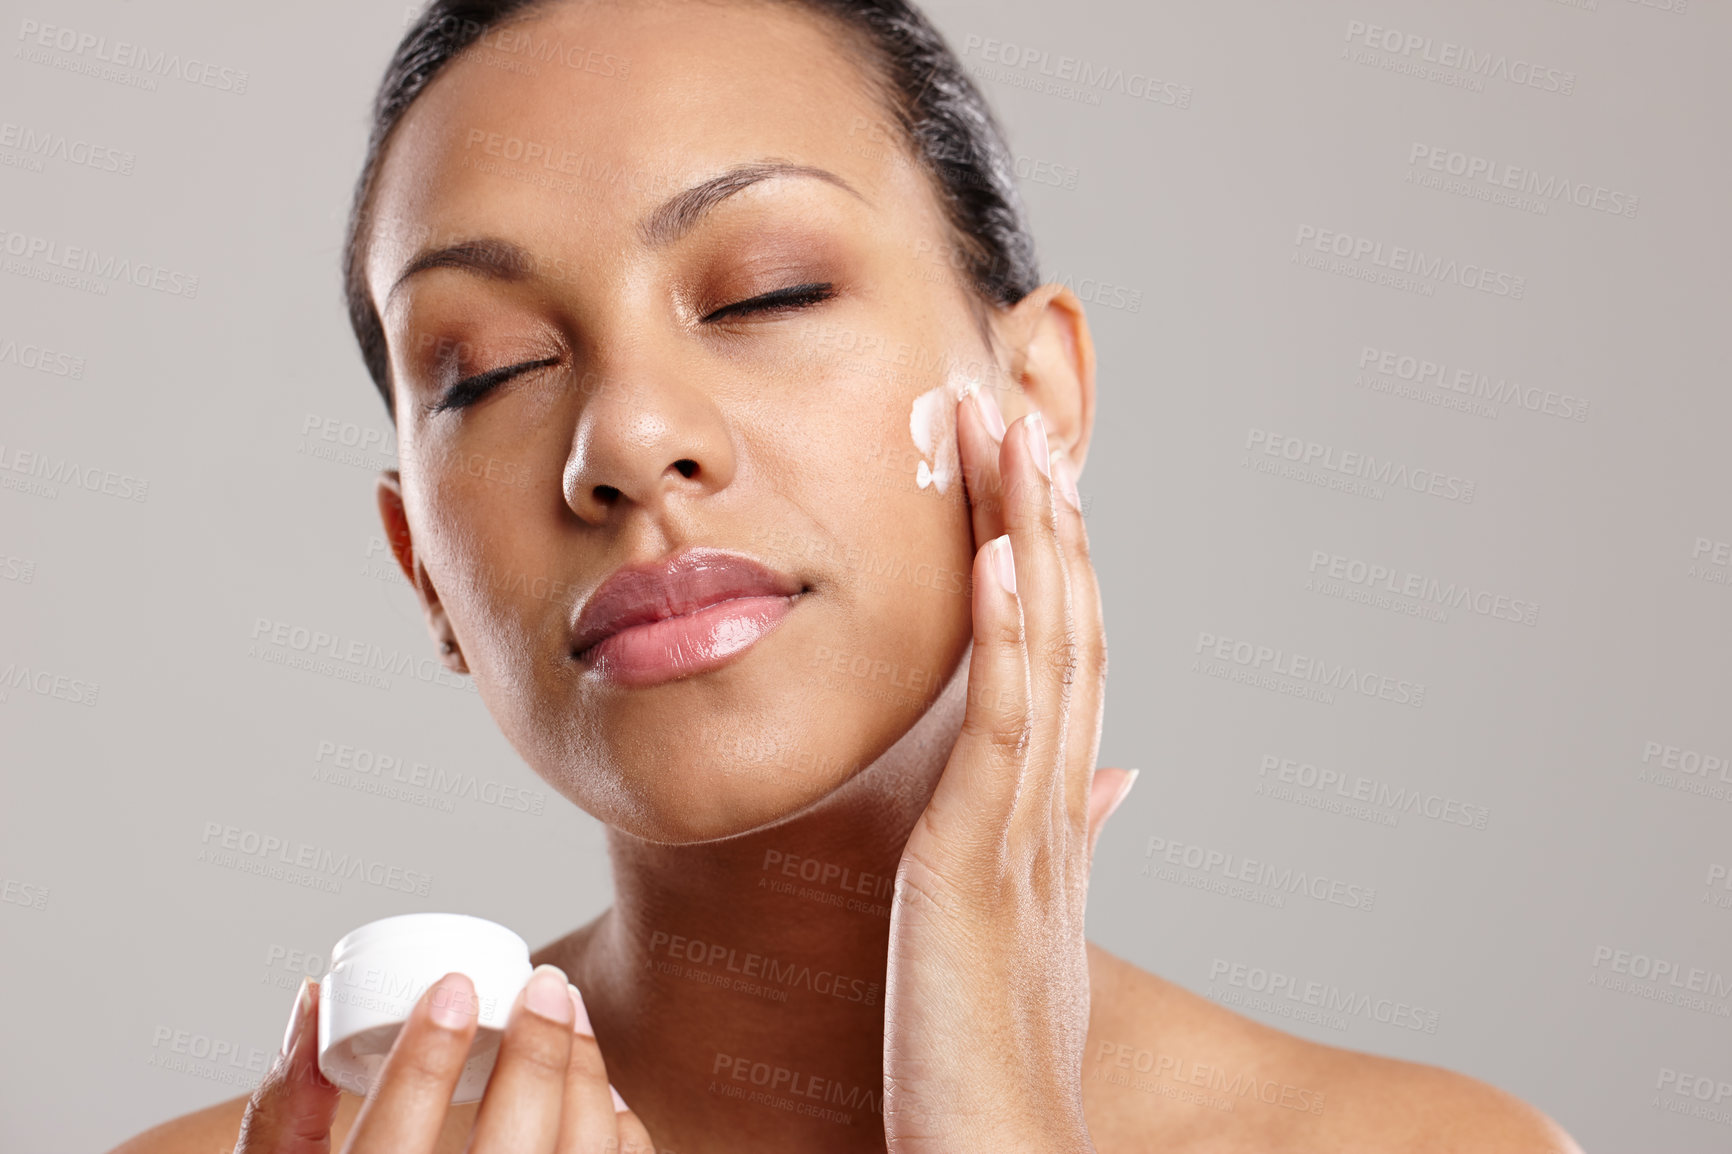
(683, 210)
(501, 260)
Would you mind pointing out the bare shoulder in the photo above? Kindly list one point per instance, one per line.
(215, 1129)
(212, 1130)
(1167, 1069)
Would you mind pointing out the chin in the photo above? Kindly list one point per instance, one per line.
(723, 752)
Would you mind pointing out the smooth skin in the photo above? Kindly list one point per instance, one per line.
(666, 410)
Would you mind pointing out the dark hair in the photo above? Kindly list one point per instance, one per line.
(936, 110)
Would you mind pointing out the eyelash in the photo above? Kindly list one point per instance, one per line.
(795, 297)
(471, 389)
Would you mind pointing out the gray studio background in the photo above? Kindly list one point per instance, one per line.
(1574, 950)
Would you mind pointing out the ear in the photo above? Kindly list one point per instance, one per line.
(1052, 359)
(396, 520)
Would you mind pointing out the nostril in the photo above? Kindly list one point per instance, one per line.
(606, 494)
(688, 468)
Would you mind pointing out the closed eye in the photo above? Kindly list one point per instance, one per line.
(796, 297)
(471, 389)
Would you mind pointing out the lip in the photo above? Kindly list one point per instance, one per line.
(685, 614)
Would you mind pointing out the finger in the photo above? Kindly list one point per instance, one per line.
(977, 791)
(633, 1138)
(1107, 788)
(292, 1109)
(520, 1113)
(979, 432)
(1042, 584)
(406, 1112)
(1088, 684)
(588, 1123)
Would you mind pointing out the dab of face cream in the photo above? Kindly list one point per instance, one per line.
(932, 424)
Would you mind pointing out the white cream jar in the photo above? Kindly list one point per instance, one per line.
(378, 973)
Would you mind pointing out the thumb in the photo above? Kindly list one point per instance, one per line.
(292, 1110)
(1106, 791)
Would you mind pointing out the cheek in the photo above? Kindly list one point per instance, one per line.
(495, 580)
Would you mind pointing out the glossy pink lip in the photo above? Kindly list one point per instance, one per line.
(686, 614)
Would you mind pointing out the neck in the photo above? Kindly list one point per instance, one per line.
(737, 986)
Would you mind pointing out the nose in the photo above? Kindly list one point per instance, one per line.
(644, 438)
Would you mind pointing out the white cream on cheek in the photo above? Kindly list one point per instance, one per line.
(932, 424)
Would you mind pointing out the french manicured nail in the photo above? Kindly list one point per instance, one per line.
(1003, 562)
(619, 1106)
(1124, 792)
(546, 996)
(453, 1002)
(990, 414)
(579, 1015)
(1034, 428)
(298, 1016)
(1064, 477)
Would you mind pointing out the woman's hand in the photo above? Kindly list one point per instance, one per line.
(987, 997)
(548, 1094)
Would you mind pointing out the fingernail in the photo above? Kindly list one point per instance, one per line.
(297, 1017)
(1003, 563)
(453, 1002)
(1124, 792)
(545, 994)
(579, 1014)
(987, 405)
(1034, 428)
(619, 1106)
(1064, 476)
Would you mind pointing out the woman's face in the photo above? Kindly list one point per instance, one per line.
(665, 412)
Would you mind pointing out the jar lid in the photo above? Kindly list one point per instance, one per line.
(473, 937)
